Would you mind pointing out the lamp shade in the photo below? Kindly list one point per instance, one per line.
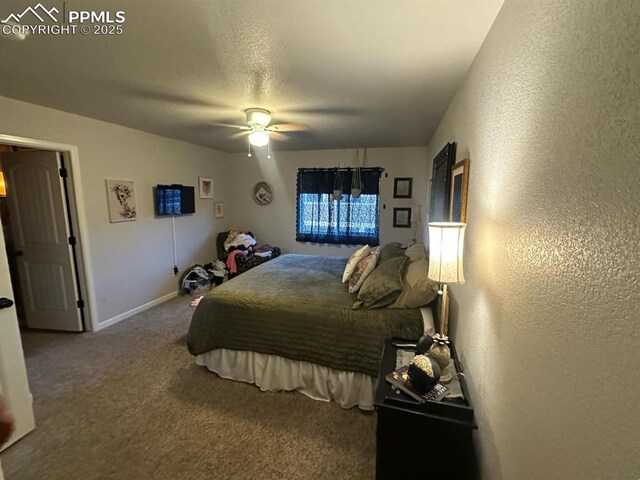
(3, 187)
(446, 242)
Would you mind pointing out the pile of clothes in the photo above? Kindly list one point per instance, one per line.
(243, 252)
(198, 279)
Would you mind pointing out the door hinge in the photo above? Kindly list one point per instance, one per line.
(80, 303)
(72, 241)
(63, 172)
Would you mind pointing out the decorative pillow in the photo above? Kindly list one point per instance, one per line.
(362, 271)
(390, 250)
(353, 261)
(384, 285)
(416, 252)
(418, 290)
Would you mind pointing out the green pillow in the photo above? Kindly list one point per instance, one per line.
(384, 285)
(418, 289)
(390, 250)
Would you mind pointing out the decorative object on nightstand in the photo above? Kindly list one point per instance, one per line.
(424, 344)
(424, 437)
(446, 242)
(424, 373)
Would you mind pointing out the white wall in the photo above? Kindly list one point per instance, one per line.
(547, 323)
(131, 261)
(276, 223)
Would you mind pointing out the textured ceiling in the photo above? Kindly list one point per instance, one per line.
(358, 72)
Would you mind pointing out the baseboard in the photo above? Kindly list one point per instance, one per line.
(133, 311)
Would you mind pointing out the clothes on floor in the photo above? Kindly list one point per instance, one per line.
(232, 265)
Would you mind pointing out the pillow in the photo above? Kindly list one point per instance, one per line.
(384, 285)
(353, 261)
(418, 290)
(362, 271)
(416, 252)
(390, 250)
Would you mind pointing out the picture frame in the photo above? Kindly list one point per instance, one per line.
(441, 183)
(205, 187)
(218, 209)
(402, 187)
(121, 200)
(459, 191)
(402, 217)
(262, 193)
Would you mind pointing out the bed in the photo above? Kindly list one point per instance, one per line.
(288, 324)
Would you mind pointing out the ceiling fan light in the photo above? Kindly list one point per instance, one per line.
(258, 116)
(259, 138)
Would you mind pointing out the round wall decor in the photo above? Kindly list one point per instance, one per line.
(262, 193)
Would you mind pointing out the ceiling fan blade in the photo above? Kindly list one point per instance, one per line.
(278, 136)
(288, 127)
(239, 134)
(230, 125)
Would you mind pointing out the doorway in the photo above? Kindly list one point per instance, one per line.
(37, 211)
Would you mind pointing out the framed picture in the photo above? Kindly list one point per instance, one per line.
(402, 187)
(262, 193)
(206, 187)
(121, 199)
(459, 189)
(402, 217)
(441, 183)
(218, 209)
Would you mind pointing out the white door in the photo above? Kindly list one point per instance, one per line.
(14, 385)
(39, 233)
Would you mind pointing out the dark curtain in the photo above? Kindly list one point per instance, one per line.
(349, 221)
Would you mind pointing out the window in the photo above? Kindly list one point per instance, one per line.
(350, 221)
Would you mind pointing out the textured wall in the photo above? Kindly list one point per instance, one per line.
(548, 322)
(276, 223)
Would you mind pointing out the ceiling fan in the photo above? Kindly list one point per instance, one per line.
(259, 131)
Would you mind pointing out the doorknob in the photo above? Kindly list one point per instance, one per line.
(6, 302)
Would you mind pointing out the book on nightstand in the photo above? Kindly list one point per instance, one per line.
(399, 379)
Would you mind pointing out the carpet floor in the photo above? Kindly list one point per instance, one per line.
(129, 402)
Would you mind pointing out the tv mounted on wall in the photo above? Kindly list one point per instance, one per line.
(175, 200)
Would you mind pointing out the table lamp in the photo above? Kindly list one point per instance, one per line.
(446, 242)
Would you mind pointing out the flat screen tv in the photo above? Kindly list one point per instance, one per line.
(175, 200)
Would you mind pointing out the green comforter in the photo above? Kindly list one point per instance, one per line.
(296, 306)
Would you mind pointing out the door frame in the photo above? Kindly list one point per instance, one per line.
(78, 219)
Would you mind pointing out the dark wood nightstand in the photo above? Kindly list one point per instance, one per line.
(428, 440)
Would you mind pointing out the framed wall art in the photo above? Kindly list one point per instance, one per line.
(206, 187)
(402, 187)
(459, 191)
(402, 217)
(218, 209)
(441, 183)
(121, 200)
(262, 193)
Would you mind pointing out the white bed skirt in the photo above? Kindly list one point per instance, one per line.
(273, 373)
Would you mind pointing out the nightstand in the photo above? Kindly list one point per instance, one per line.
(428, 440)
